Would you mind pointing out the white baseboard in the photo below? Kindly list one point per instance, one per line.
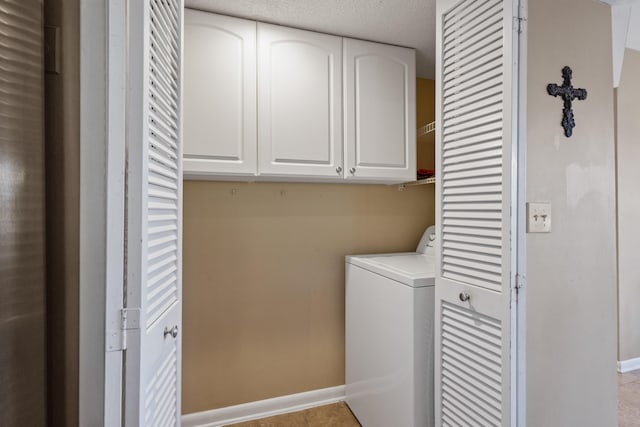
(628, 365)
(264, 408)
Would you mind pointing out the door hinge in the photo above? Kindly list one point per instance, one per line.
(519, 24)
(117, 335)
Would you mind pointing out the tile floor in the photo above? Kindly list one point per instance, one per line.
(335, 415)
(629, 399)
(339, 415)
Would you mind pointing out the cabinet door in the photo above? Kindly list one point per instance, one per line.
(380, 86)
(219, 95)
(299, 102)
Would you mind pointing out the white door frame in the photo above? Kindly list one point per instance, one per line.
(102, 177)
(521, 220)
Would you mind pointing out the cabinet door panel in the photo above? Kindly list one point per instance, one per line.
(299, 96)
(380, 111)
(220, 95)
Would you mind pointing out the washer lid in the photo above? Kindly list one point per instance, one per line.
(411, 268)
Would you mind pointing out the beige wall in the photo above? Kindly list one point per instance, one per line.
(426, 113)
(62, 95)
(628, 162)
(571, 287)
(264, 281)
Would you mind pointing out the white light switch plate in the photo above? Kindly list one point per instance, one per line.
(538, 217)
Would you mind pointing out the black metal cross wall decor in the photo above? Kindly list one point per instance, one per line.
(568, 93)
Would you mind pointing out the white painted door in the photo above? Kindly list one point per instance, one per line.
(220, 97)
(299, 102)
(380, 116)
(476, 209)
(154, 215)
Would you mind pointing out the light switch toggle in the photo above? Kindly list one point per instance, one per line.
(538, 217)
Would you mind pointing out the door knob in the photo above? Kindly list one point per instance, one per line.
(464, 297)
(352, 170)
(171, 331)
(339, 169)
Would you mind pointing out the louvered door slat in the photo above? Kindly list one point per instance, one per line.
(473, 240)
(478, 173)
(461, 37)
(163, 115)
(475, 156)
(162, 171)
(163, 80)
(167, 33)
(163, 99)
(455, 183)
(474, 142)
(473, 206)
(159, 137)
(483, 348)
(477, 408)
(467, 263)
(452, 229)
(158, 64)
(161, 385)
(468, 119)
(473, 276)
(473, 54)
(489, 47)
(158, 67)
(468, 79)
(476, 93)
(453, 418)
(164, 89)
(473, 121)
(465, 332)
(471, 105)
(463, 13)
(476, 256)
(163, 32)
(471, 214)
(463, 358)
(160, 46)
(478, 381)
(471, 189)
(473, 109)
(472, 148)
(484, 117)
(169, 22)
(472, 248)
(486, 127)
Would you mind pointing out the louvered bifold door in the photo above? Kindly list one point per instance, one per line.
(476, 92)
(154, 214)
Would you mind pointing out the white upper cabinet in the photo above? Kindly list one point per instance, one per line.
(299, 103)
(265, 102)
(380, 115)
(220, 136)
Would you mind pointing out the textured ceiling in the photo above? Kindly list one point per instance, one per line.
(408, 23)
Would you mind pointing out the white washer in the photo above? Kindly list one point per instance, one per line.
(389, 336)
